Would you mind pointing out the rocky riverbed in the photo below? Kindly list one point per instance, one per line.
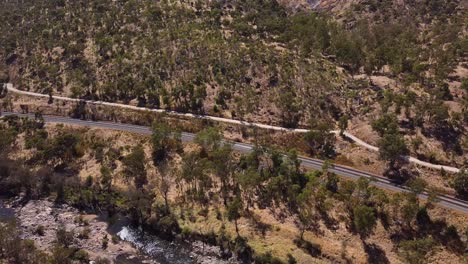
(166, 252)
(89, 232)
(39, 221)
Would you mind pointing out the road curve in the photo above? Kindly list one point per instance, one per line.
(308, 163)
(356, 140)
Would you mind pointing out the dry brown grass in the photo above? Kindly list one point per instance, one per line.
(337, 243)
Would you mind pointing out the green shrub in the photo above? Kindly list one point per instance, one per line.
(40, 230)
(416, 251)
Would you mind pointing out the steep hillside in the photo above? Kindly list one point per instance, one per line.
(293, 63)
(260, 206)
(202, 58)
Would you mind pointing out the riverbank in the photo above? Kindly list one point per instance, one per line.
(39, 221)
(173, 252)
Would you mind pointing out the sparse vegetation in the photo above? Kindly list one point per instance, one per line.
(210, 175)
(397, 66)
(460, 183)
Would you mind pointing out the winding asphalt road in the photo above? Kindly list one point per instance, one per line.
(9, 87)
(308, 163)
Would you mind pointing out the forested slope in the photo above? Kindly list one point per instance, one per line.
(396, 69)
(260, 206)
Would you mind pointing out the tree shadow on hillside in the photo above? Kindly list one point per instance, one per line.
(330, 222)
(260, 227)
(308, 247)
(447, 135)
(375, 254)
(398, 173)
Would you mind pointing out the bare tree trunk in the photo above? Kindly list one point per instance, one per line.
(166, 202)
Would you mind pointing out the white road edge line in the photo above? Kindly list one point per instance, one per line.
(10, 88)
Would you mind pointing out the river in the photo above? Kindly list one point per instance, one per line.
(166, 252)
(150, 248)
(5, 213)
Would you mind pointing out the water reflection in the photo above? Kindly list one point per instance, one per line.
(164, 252)
(6, 213)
